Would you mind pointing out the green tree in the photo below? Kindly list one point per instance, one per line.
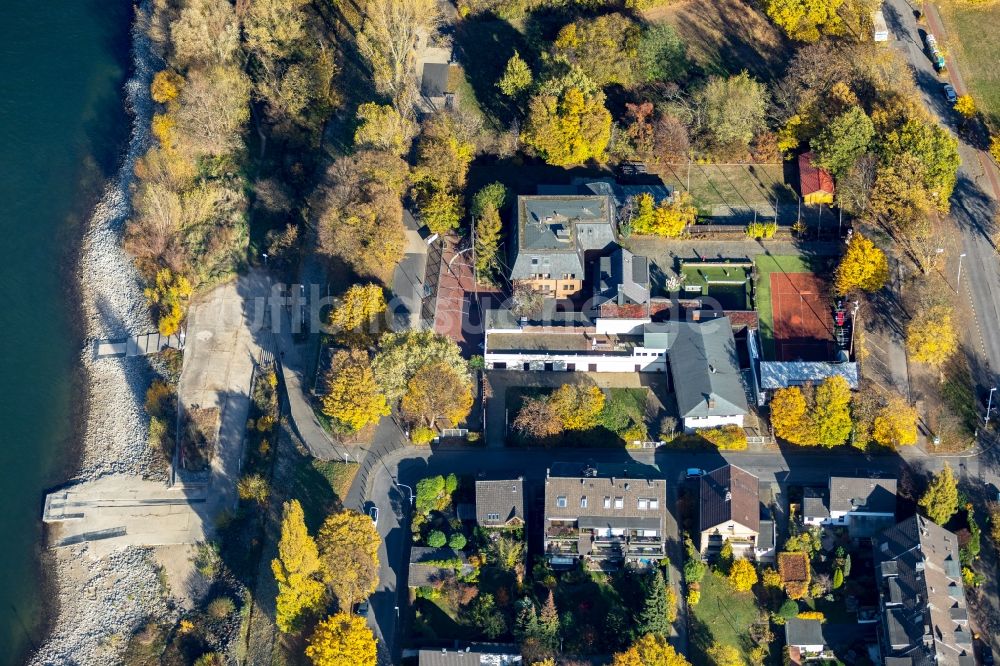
(253, 488)
(662, 54)
(653, 618)
(694, 570)
(568, 125)
(845, 139)
(940, 501)
(457, 541)
(296, 570)
(489, 196)
(516, 76)
(732, 110)
(432, 495)
(488, 230)
(401, 355)
(436, 539)
(484, 614)
(604, 48)
(934, 148)
(838, 578)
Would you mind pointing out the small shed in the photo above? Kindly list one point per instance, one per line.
(815, 183)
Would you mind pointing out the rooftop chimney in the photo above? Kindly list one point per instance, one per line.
(711, 402)
(729, 495)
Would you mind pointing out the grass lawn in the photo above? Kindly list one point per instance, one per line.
(972, 30)
(722, 616)
(729, 184)
(320, 486)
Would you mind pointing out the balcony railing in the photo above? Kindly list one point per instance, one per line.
(562, 533)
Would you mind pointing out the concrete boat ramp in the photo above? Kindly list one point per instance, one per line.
(122, 510)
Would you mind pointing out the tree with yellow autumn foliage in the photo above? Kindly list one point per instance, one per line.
(831, 412)
(896, 423)
(360, 306)
(805, 20)
(348, 547)
(742, 575)
(966, 106)
(568, 125)
(166, 86)
(650, 650)
(577, 405)
(437, 392)
(788, 415)
(296, 570)
(168, 297)
(864, 266)
(342, 640)
(931, 337)
(354, 399)
(668, 219)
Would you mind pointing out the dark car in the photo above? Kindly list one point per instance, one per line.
(949, 93)
(986, 654)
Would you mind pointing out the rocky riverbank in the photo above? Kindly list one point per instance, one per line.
(101, 602)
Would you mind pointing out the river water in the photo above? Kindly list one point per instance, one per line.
(63, 127)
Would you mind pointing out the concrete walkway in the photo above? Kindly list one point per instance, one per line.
(117, 511)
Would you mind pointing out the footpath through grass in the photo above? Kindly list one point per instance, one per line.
(972, 30)
(767, 264)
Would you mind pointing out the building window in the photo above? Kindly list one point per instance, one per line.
(654, 504)
(643, 504)
(493, 516)
(607, 502)
(619, 502)
(583, 502)
(561, 501)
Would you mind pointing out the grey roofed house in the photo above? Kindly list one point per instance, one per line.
(862, 494)
(434, 82)
(619, 193)
(804, 633)
(704, 366)
(553, 232)
(500, 503)
(622, 277)
(472, 655)
(919, 578)
(782, 374)
(729, 493)
(426, 565)
(814, 508)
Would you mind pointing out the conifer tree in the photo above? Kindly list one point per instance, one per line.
(653, 619)
(296, 569)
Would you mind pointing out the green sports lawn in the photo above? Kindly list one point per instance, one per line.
(767, 264)
(729, 184)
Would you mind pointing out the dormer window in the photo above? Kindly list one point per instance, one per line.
(561, 501)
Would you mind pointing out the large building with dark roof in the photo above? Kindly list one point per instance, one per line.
(863, 505)
(605, 520)
(553, 235)
(729, 509)
(925, 619)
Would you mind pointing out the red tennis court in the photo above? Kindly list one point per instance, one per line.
(803, 319)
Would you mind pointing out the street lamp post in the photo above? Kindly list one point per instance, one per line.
(409, 489)
(958, 281)
(989, 406)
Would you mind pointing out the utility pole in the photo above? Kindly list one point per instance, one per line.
(840, 224)
(989, 406)
(958, 281)
(854, 326)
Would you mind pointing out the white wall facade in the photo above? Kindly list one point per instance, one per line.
(641, 359)
(695, 423)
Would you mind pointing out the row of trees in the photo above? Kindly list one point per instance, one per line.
(340, 563)
(828, 414)
(420, 370)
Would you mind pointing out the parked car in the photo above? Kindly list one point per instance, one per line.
(695, 472)
(949, 93)
(373, 514)
(361, 609)
(986, 653)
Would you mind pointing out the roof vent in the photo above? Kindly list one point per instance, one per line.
(711, 368)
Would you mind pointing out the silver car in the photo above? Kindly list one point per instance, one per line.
(949, 93)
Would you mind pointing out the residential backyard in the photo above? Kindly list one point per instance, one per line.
(722, 616)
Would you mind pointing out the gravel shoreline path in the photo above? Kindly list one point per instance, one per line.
(101, 602)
